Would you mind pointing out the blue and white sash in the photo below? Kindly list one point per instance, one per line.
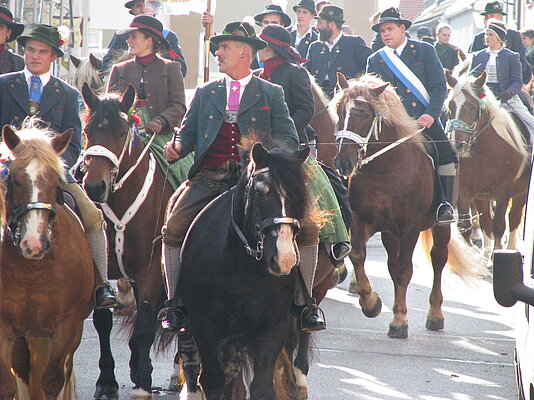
(405, 74)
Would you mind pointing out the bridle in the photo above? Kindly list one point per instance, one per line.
(259, 225)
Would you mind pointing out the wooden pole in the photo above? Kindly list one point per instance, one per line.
(207, 35)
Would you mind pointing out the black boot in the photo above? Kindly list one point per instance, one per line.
(445, 212)
(172, 318)
(340, 250)
(312, 319)
(105, 297)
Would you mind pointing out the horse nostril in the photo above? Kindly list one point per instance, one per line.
(45, 245)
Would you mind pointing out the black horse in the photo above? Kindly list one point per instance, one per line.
(238, 280)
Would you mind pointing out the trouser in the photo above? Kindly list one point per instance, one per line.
(446, 153)
(516, 106)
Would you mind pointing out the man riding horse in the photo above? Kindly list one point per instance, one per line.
(415, 71)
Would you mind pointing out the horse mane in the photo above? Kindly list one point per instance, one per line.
(87, 73)
(463, 66)
(107, 113)
(36, 146)
(502, 122)
(317, 91)
(388, 104)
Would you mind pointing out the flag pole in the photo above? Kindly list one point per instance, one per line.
(207, 34)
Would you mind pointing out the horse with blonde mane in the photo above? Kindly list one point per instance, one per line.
(46, 272)
(494, 159)
(392, 186)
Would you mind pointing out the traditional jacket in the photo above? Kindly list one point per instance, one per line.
(508, 69)
(422, 59)
(306, 41)
(59, 109)
(348, 56)
(514, 43)
(10, 62)
(164, 87)
(262, 111)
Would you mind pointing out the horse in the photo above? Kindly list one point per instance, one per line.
(238, 295)
(46, 271)
(122, 175)
(391, 186)
(88, 69)
(323, 124)
(494, 159)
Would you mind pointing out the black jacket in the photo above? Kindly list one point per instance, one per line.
(10, 62)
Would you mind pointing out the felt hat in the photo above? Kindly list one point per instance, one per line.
(392, 14)
(44, 33)
(331, 13)
(493, 7)
(148, 24)
(306, 4)
(273, 9)
(6, 18)
(279, 39)
(240, 32)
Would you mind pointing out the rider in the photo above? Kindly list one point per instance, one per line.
(504, 72)
(415, 71)
(220, 113)
(35, 92)
(9, 31)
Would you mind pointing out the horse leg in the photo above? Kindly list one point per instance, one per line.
(7, 381)
(188, 353)
(140, 343)
(175, 384)
(514, 218)
(465, 225)
(301, 364)
(438, 254)
(107, 387)
(499, 222)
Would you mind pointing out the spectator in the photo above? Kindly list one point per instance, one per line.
(448, 54)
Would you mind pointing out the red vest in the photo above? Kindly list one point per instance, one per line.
(224, 147)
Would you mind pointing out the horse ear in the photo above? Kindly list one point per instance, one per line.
(10, 137)
(259, 155)
(481, 80)
(303, 154)
(451, 80)
(61, 142)
(342, 81)
(95, 62)
(127, 98)
(89, 97)
(377, 91)
(75, 60)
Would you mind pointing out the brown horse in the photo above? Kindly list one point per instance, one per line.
(46, 273)
(323, 125)
(391, 185)
(124, 178)
(494, 160)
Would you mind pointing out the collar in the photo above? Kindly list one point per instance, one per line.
(400, 48)
(270, 65)
(243, 81)
(330, 46)
(308, 32)
(493, 51)
(45, 78)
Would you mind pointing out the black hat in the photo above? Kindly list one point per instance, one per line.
(240, 32)
(45, 33)
(306, 4)
(331, 13)
(148, 24)
(392, 14)
(498, 28)
(273, 9)
(494, 7)
(130, 4)
(279, 39)
(6, 18)
(424, 31)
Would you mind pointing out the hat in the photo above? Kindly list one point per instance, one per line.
(240, 32)
(273, 9)
(148, 24)
(130, 4)
(331, 13)
(6, 18)
(392, 14)
(494, 7)
(424, 31)
(279, 39)
(306, 4)
(498, 28)
(45, 33)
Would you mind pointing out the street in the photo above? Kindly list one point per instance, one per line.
(471, 359)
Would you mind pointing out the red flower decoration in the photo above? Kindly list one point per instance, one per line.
(61, 42)
(135, 119)
(482, 95)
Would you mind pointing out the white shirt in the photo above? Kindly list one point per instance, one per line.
(299, 38)
(491, 66)
(45, 78)
(401, 47)
(243, 82)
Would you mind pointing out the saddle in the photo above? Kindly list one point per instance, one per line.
(66, 199)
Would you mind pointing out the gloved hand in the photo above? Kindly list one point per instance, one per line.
(505, 95)
(154, 126)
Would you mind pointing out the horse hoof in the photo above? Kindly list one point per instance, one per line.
(106, 393)
(352, 287)
(342, 272)
(139, 393)
(302, 393)
(435, 324)
(375, 311)
(398, 332)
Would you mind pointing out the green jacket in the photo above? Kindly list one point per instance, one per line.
(262, 111)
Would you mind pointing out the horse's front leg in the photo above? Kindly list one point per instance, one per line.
(140, 343)
(499, 221)
(107, 387)
(465, 224)
(514, 218)
(7, 380)
(188, 353)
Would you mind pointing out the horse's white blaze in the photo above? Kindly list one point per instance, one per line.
(31, 242)
(348, 107)
(458, 100)
(287, 257)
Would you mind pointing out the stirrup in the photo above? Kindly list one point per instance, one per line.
(441, 214)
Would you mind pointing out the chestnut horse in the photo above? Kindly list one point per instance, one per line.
(46, 272)
(494, 160)
(123, 176)
(391, 185)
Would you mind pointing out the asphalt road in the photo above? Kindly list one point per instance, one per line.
(471, 359)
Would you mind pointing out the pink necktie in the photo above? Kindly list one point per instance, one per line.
(233, 98)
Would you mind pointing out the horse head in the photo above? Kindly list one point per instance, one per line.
(33, 172)
(274, 200)
(358, 121)
(108, 135)
(465, 110)
(88, 70)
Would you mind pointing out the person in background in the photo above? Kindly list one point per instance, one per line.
(303, 34)
(272, 14)
(448, 54)
(527, 36)
(376, 43)
(9, 31)
(425, 34)
(118, 45)
(323, 3)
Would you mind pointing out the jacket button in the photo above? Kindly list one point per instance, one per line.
(414, 104)
(57, 90)
(16, 118)
(212, 92)
(253, 119)
(339, 68)
(151, 107)
(210, 117)
(205, 136)
(408, 91)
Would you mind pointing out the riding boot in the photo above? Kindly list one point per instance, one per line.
(447, 177)
(171, 316)
(311, 316)
(104, 294)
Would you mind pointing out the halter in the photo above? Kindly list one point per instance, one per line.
(260, 227)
